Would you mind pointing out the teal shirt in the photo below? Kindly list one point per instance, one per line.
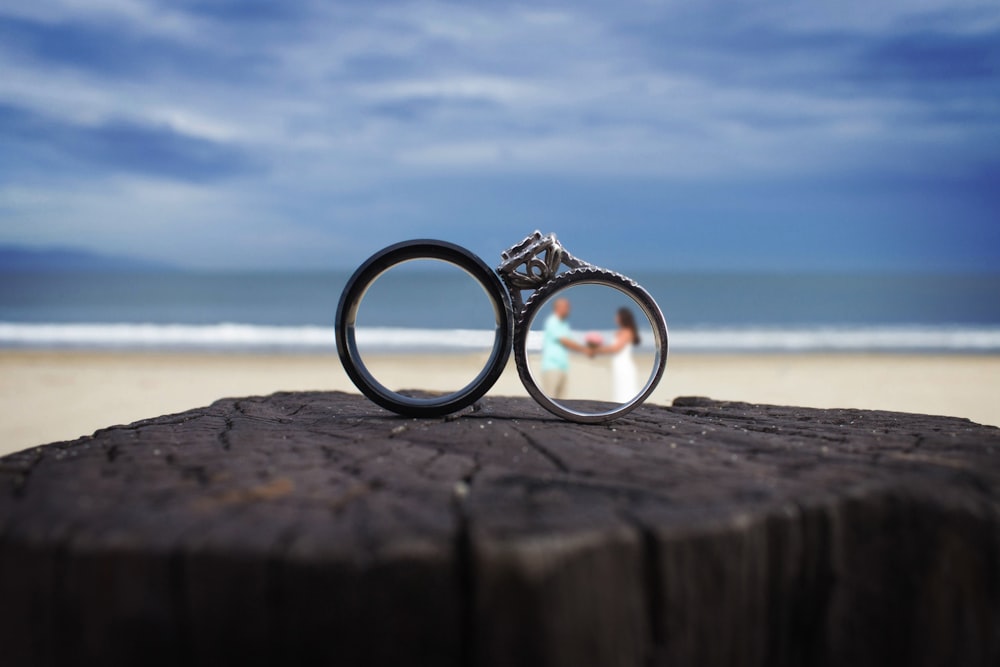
(555, 357)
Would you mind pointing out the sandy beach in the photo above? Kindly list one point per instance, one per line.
(47, 396)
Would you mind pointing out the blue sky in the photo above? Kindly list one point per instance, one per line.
(854, 135)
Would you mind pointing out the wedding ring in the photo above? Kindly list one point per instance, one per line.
(533, 265)
(347, 314)
(533, 273)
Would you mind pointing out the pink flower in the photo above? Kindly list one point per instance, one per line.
(594, 339)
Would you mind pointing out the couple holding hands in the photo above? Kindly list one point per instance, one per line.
(558, 341)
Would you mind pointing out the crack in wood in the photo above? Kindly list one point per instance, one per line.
(546, 452)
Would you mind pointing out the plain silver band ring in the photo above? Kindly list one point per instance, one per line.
(595, 276)
(347, 313)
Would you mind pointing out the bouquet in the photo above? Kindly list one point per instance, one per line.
(593, 340)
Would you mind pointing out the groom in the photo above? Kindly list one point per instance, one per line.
(556, 344)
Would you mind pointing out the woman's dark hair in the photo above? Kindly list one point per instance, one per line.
(627, 319)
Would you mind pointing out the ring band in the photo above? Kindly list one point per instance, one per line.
(347, 314)
(533, 264)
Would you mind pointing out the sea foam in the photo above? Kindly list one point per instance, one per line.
(252, 337)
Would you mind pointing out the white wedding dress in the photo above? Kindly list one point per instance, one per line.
(623, 375)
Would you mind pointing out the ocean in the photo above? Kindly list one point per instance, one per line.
(421, 311)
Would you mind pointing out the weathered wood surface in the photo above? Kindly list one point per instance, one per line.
(315, 528)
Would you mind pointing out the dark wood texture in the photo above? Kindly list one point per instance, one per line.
(316, 528)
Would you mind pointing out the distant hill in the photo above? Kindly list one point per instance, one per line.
(28, 258)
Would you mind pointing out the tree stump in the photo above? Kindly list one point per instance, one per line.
(316, 528)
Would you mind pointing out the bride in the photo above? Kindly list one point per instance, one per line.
(624, 385)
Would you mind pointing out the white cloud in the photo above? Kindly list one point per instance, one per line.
(503, 90)
(142, 16)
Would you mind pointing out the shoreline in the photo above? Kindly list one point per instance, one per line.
(52, 395)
